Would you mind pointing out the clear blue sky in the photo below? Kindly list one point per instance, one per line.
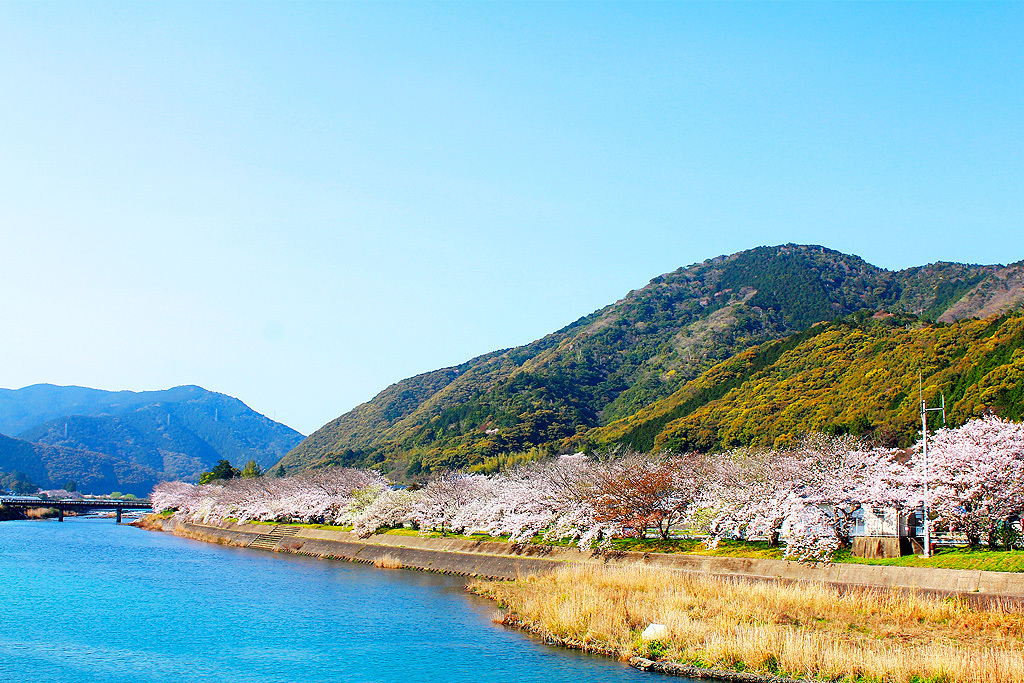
(298, 204)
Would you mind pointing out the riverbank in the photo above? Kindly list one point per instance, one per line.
(985, 559)
(740, 630)
(503, 560)
(8, 514)
(592, 597)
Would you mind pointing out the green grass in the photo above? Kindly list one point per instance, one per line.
(437, 534)
(950, 558)
(757, 549)
(299, 524)
(390, 532)
(945, 558)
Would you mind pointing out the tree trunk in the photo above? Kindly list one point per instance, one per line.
(665, 526)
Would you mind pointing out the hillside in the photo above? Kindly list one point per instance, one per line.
(857, 375)
(172, 434)
(627, 356)
(51, 467)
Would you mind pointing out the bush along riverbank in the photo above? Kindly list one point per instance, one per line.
(729, 628)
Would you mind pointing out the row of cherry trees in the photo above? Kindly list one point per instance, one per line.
(808, 494)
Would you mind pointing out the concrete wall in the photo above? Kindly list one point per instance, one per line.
(509, 561)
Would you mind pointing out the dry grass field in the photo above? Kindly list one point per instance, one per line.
(797, 630)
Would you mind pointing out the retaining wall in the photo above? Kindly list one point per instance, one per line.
(496, 559)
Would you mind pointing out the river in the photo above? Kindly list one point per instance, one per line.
(88, 600)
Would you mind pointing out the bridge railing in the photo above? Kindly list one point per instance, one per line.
(61, 505)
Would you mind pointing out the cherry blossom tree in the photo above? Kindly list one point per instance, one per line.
(638, 491)
(751, 494)
(333, 496)
(392, 508)
(811, 491)
(842, 474)
(439, 504)
(812, 535)
(758, 493)
(552, 498)
(975, 476)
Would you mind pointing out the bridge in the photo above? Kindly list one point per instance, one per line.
(78, 505)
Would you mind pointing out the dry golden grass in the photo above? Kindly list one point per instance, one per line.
(388, 561)
(797, 630)
(41, 513)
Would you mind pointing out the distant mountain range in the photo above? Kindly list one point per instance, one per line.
(129, 441)
(596, 381)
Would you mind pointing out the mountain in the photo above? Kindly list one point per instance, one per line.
(640, 350)
(51, 467)
(856, 375)
(153, 435)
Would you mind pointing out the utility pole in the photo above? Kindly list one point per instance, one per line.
(924, 439)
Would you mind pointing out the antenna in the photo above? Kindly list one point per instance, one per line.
(924, 447)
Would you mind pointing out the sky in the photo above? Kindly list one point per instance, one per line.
(298, 204)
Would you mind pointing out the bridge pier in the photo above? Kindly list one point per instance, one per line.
(60, 514)
(119, 508)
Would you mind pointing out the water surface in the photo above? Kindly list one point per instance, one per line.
(87, 600)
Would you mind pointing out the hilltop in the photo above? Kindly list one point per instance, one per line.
(628, 356)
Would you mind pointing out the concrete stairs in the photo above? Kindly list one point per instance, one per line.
(270, 540)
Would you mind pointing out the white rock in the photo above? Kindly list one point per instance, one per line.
(655, 632)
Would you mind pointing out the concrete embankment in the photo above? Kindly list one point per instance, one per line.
(501, 560)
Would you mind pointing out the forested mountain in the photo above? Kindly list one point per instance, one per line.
(52, 467)
(856, 375)
(151, 436)
(627, 356)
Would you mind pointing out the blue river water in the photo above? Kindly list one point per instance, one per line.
(87, 600)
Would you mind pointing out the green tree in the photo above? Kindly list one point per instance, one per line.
(24, 487)
(280, 471)
(252, 470)
(18, 482)
(71, 487)
(222, 470)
